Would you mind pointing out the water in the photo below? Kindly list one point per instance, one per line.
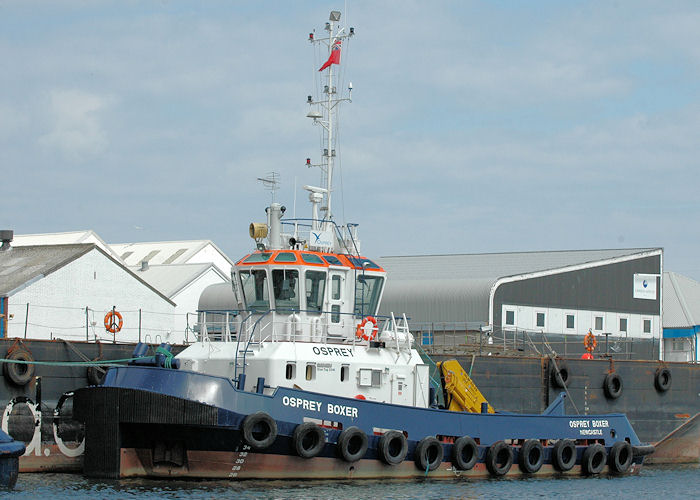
(669, 481)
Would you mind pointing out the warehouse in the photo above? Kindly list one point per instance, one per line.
(614, 292)
(66, 290)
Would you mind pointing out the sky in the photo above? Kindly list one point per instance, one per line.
(475, 126)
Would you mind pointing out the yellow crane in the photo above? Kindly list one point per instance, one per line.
(461, 393)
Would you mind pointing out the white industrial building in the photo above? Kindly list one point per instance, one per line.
(565, 293)
(173, 252)
(178, 270)
(65, 291)
(681, 317)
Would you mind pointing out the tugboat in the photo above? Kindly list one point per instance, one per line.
(312, 384)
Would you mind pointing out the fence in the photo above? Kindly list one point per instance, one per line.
(465, 338)
(39, 321)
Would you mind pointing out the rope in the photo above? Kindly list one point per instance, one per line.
(73, 363)
(168, 356)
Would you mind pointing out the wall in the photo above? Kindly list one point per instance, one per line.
(57, 303)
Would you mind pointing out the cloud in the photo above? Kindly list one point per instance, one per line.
(76, 129)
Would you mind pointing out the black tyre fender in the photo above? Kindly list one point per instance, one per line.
(428, 454)
(560, 378)
(531, 456)
(564, 455)
(499, 458)
(465, 453)
(662, 379)
(620, 457)
(593, 460)
(352, 444)
(308, 439)
(259, 430)
(392, 447)
(19, 373)
(96, 374)
(612, 386)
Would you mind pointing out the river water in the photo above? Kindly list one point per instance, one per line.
(653, 481)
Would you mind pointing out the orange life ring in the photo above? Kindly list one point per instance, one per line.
(110, 324)
(589, 341)
(360, 332)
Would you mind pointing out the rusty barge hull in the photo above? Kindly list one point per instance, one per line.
(510, 384)
(667, 418)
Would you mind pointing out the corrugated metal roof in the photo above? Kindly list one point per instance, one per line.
(21, 265)
(492, 265)
(64, 238)
(162, 252)
(457, 287)
(171, 278)
(681, 301)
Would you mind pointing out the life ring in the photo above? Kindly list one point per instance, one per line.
(589, 341)
(465, 453)
(428, 454)
(612, 386)
(308, 440)
(19, 373)
(560, 374)
(564, 455)
(392, 447)
(259, 430)
(593, 461)
(352, 444)
(531, 456)
(360, 331)
(620, 458)
(662, 379)
(499, 458)
(111, 325)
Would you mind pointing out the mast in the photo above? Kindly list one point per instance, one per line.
(327, 118)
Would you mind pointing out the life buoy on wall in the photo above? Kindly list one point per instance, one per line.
(589, 341)
(362, 334)
(111, 323)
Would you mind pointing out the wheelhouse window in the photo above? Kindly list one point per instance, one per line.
(315, 282)
(367, 292)
(285, 283)
(255, 289)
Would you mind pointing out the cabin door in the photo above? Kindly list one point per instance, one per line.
(337, 314)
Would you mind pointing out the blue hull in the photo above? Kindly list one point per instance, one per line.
(154, 422)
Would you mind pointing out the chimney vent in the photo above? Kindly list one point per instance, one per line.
(6, 235)
(144, 265)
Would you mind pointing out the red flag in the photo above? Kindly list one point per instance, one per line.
(334, 58)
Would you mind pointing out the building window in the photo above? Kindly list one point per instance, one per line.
(570, 321)
(510, 317)
(599, 323)
(540, 320)
(678, 344)
(647, 326)
(623, 325)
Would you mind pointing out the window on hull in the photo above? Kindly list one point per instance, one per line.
(368, 289)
